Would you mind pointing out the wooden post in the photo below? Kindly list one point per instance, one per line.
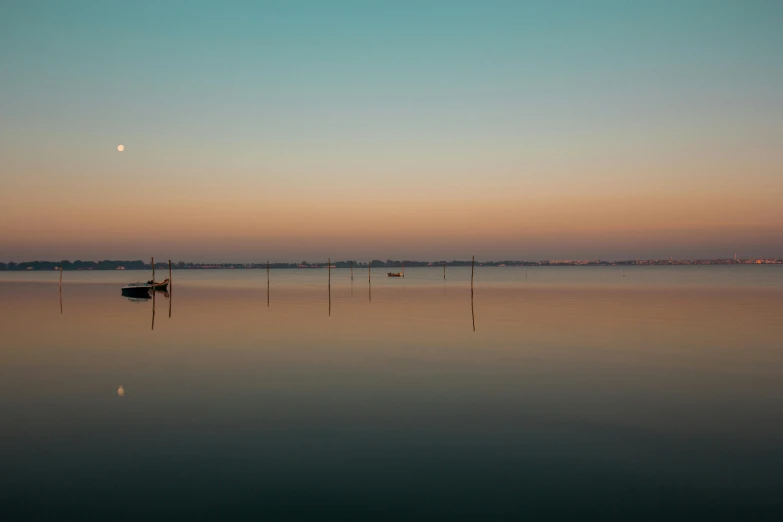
(444, 270)
(61, 290)
(267, 283)
(152, 262)
(403, 269)
(351, 270)
(171, 288)
(329, 265)
(472, 264)
(369, 271)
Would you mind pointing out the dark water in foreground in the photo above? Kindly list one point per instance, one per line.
(625, 395)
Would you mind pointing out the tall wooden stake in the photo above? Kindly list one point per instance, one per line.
(472, 264)
(267, 283)
(152, 262)
(403, 269)
(171, 289)
(369, 271)
(444, 270)
(61, 290)
(329, 262)
(351, 270)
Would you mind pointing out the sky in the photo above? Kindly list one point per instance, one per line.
(400, 129)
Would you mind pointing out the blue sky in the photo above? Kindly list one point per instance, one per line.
(457, 101)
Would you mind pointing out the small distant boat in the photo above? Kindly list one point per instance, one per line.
(136, 290)
(394, 274)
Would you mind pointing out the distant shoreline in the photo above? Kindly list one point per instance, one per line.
(140, 265)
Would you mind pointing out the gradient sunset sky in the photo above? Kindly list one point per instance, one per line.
(399, 129)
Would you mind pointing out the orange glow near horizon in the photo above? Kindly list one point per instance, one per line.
(414, 227)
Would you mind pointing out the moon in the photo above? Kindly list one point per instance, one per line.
(120, 148)
(121, 391)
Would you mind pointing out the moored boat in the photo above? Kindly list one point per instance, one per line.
(394, 274)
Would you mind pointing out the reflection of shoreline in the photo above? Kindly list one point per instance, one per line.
(592, 318)
(489, 290)
(771, 283)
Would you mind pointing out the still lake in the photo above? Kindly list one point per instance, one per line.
(637, 393)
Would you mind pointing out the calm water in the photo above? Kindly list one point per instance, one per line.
(557, 393)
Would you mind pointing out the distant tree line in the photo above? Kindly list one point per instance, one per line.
(389, 263)
(141, 265)
(75, 265)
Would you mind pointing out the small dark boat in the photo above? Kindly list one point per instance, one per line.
(394, 274)
(136, 290)
(162, 286)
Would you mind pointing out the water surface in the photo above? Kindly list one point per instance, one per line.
(563, 392)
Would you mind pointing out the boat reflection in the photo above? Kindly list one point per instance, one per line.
(150, 297)
(146, 298)
(137, 299)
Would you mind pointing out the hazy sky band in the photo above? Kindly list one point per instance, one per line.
(401, 129)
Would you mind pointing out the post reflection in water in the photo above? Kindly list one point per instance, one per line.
(153, 309)
(61, 290)
(472, 314)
